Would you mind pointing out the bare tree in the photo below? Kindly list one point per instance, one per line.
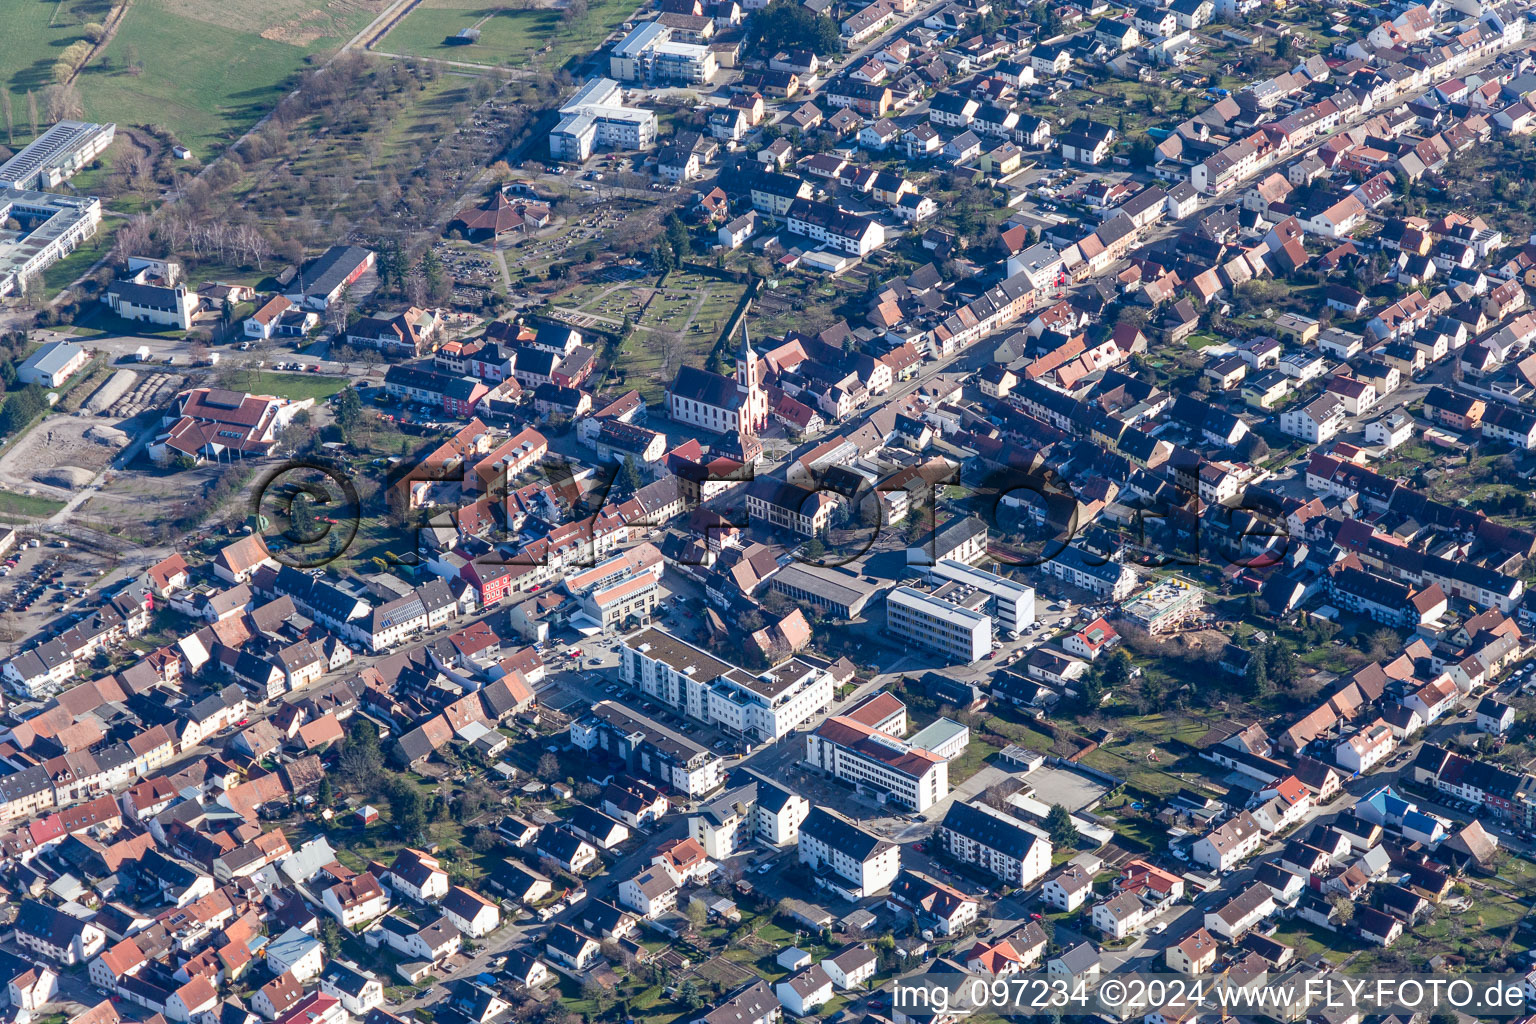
(671, 344)
(10, 117)
(32, 111)
(63, 102)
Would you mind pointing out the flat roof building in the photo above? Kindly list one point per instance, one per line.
(56, 155)
(1165, 607)
(52, 227)
(762, 707)
(1011, 605)
(650, 54)
(838, 591)
(597, 117)
(932, 621)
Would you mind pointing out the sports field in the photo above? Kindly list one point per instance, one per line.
(523, 35)
(206, 70)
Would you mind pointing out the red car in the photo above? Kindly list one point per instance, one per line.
(243, 721)
(1036, 917)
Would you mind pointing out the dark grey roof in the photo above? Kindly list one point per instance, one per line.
(326, 272)
(989, 830)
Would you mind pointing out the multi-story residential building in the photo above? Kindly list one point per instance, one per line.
(648, 748)
(762, 707)
(851, 233)
(995, 843)
(597, 117)
(1068, 889)
(1194, 954)
(1237, 917)
(942, 908)
(848, 859)
(756, 809)
(1121, 915)
(1108, 579)
(652, 53)
(1228, 845)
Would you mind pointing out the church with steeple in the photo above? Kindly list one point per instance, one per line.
(722, 405)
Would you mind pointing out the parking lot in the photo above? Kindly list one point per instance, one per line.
(37, 584)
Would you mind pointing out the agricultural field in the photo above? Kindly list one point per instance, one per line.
(529, 34)
(205, 70)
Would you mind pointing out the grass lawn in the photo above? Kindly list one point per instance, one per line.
(297, 386)
(691, 305)
(35, 32)
(507, 36)
(63, 273)
(208, 71)
(31, 506)
(971, 760)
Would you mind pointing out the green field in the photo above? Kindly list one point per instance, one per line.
(30, 506)
(297, 386)
(517, 37)
(35, 32)
(204, 69)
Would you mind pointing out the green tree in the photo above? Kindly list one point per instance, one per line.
(349, 411)
(677, 236)
(331, 937)
(21, 409)
(789, 24)
(1059, 823)
(1117, 668)
(629, 475)
(327, 795)
(1281, 664)
(1258, 676)
(663, 257)
(408, 809)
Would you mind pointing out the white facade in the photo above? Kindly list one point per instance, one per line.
(933, 622)
(866, 863)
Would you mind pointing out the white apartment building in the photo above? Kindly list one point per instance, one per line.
(761, 707)
(998, 844)
(756, 809)
(1011, 605)
(854, 862)
(650, 54)
(1227, 846)
(932, 622)
(1319, 420)
(649, 748)
(1366, 748)
(597, 117)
